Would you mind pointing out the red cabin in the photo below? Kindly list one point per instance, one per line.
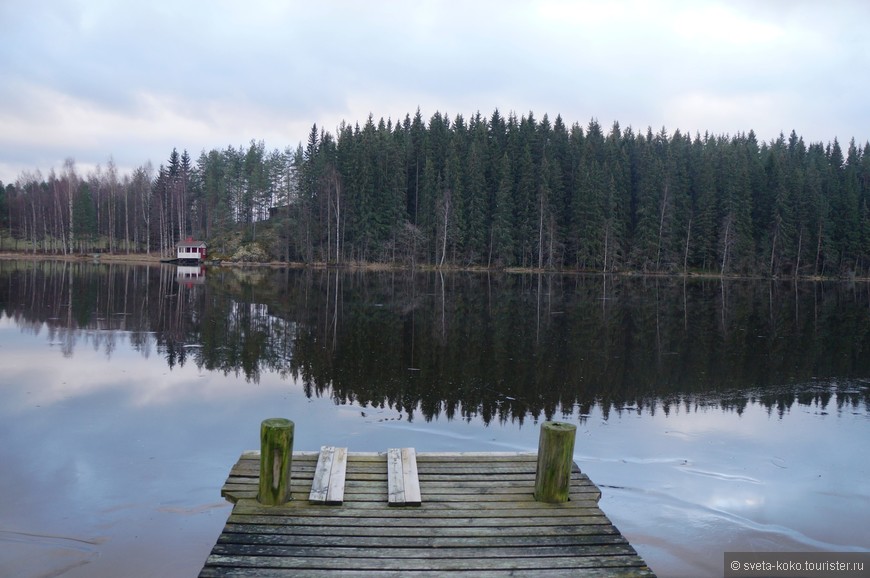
(191, 251)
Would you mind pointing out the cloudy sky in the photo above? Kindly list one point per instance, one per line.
(90, 79)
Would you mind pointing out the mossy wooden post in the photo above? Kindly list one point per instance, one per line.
(276, 456)
(555, 459)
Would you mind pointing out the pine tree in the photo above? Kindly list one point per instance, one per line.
(652, 202)
(819, 209)
(702, 243)
(501, 235)
(795, 179)
(779, 237)
(474, 240)
(589, 229)
(429, 189)
(864, 190)
(525, 209)
(416, 162)
(617, 212)
(735, 229)
(847, 209)
(455, 193)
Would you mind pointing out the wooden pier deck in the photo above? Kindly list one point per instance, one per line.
(476, 517)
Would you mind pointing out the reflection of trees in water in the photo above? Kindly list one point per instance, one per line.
(514, 350)
(502, 347)
(82, 303)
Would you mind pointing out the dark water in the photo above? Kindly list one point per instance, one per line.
(716, 416)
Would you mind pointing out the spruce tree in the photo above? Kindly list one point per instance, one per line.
(502, 232)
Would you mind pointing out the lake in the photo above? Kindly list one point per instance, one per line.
(715, 415)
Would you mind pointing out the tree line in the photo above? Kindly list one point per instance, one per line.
(479, 192)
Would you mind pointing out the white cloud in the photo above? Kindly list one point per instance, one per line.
(89, 79)
(725, 27)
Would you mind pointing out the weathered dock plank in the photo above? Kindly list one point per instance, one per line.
(476, 516)
(327, 487)
(565, 537)
(449, 531)
(403, 483)
(337, 561)
(477, 573)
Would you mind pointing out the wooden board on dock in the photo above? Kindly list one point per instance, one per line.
(477, 517)
(327, 487)
(403, 484)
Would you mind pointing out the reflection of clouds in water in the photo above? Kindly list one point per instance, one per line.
(701, 520)
(28, 554)
(735, 501)
(722, 481)
(89, 372)
(721, 476)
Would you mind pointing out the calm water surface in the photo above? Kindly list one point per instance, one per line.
(714, 416)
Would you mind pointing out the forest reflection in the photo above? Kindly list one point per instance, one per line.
(506, 347)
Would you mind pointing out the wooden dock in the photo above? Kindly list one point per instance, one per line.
(475, 516)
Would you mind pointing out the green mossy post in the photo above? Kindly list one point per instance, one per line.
(555, 459)
(276, 456)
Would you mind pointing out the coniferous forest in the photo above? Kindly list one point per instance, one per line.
(495, 192)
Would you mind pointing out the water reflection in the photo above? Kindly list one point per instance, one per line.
(714, 415)
(498, 347)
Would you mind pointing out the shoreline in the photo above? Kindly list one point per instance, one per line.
(142, 258)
